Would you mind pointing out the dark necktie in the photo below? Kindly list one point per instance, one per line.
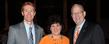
(30, 36)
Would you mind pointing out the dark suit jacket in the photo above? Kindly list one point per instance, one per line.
(89, 34)
(18, 35)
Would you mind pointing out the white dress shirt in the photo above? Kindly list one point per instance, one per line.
(27, 30)
(81, 25)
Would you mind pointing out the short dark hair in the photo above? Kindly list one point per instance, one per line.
(28, 3)
(54, 19)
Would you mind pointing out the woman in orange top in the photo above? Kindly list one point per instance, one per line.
(55, 37)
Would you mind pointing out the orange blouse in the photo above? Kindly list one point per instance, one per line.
(49, 40)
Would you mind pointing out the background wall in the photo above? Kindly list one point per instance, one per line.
(10, 14)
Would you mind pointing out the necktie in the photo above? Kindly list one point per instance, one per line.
(76, 35)
(30, 36)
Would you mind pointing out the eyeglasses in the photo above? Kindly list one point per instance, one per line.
(77, 13)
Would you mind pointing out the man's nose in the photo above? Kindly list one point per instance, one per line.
(29, 13)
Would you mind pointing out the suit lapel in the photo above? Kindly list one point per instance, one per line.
(81, 34)
(23, 32)
(72, 35)
(36, 35)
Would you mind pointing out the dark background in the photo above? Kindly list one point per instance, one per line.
(10, 14)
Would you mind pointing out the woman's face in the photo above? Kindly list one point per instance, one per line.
(55, 28)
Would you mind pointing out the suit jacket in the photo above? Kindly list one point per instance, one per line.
(89, 34)
(17, 34)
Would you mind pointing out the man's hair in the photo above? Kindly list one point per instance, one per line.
(28, 3)
(80, 3)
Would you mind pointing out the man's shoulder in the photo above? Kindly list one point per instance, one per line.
(92, 24)
(38, 28)
(16, 25)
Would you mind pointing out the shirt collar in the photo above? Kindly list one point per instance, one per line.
(81, 24)
(26, 24)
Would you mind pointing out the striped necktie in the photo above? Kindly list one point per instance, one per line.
(76, 35)
(30, 36)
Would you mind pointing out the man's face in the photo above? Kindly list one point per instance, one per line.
(78, 14)
(28, 13)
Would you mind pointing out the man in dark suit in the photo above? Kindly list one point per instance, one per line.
(26, 32)
(84, 32)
